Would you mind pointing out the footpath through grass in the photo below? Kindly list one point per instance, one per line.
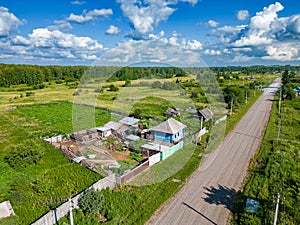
(275, 169)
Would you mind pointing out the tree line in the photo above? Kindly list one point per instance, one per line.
(14, 74)
(258, 69)
(11, 74)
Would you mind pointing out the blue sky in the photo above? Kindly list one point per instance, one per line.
(176, 32)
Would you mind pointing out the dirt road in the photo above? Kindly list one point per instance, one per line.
(207, 196)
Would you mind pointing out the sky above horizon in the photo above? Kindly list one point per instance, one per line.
(175, 32)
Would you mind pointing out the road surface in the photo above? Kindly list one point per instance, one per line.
(207, 196)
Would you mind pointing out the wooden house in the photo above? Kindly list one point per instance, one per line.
(171, 131)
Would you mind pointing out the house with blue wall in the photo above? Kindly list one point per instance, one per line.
(171, 131)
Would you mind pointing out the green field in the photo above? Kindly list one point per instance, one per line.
(35, 189)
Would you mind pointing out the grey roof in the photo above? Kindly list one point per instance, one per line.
(103, 128)
(170, 126)
(206, 113)
(113, 125)
(191, 110)
(155, 146)
(132, 137)
(129, 121)
(172, 112)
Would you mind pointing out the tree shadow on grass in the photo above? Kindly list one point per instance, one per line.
(222, 195)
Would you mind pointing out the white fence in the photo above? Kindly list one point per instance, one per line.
(54, 139)
(154, 159)
(221, 119)
(53, 216)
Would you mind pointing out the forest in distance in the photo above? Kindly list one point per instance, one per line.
(15, 74)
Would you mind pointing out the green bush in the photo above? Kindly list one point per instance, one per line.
(23, 155)
(91, 202)
(113, 88)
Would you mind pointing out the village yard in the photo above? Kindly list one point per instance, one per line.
(166, 168)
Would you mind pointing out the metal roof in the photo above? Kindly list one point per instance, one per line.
(132, 137)
(170, 126)
(129, 121)
(206, 113)
(113, 125)
(103, 128)
(155, 147)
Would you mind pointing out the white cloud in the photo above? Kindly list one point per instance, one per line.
(8, 22)
(156, 48)
(212, 52)
(242, 15)
(212, 23)
(259, 30)
(228, 34)
(88, 16)
(242, 58)
(144, 14)
(193, 45)
(293, 24)
(78, 2)
(19, 40)
(112, 30)
(283, 52)
(43, 37)
(60, 25)
(44, 44)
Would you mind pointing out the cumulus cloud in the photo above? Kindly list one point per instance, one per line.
(266, 37)
(156, 48)
(228, 34)
(242, 15)
(212, 23)
(43, 43)
(145, 14)
(88, 16)
(60, 25)
(283, 52)
(42, 37)
(78, 2)
(112, 30)
(8, 22)
(212, 52)
(259, 30)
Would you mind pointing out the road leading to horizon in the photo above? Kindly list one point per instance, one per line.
(208, 194)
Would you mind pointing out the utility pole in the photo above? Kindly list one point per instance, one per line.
(276, 210)
(201, 125)
(231, 107)
(279, 106)
(71, 213)
(246, 96)
(279, 125)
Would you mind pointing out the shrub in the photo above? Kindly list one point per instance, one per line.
(91, 202)
(23, 155)
(113, 88)
(30, 93)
